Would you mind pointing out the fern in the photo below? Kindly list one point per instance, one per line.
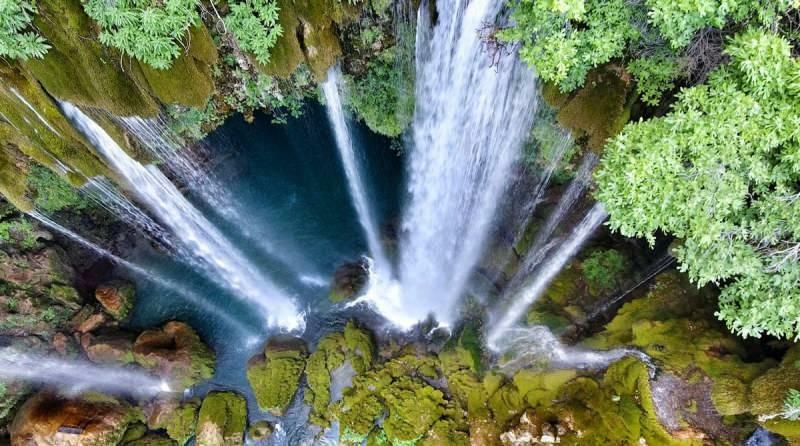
(15, 41)
(148, 30)
(255, 25)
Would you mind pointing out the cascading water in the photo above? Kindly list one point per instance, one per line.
(220, 258)
(146, 274)
(77, 376)
(347, 152)
(470, 121)
(545, 274)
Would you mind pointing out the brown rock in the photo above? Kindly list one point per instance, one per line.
(61, 343)
(114, 348)
(90, 323)
(47, 419)
(175, 352)
(116, 297)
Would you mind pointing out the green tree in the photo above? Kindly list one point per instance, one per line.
(255, 25)
(17, 41)
(721, 172)
(147, 30)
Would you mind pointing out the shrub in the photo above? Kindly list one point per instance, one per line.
(255, 25)
(146, 30)
(603, 269)
(51, 192)
(15, 41)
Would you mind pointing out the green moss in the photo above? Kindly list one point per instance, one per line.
(768, 391)
(135, 431)
(79, 70)
(604, 270)
(730, 396)
(180, 423)
(151, 440)
(274, 376)
(65, 295)
(19, 233)
(222, 420)
(188, 81)
(52, 193)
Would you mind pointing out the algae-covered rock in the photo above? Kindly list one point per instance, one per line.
(178, 419)
(222, 420)
(768, 391)
(274, 376)
(175, 352)
(90, 419)
(116, 297)
(79, 70)
(348, 280)
(189, 80)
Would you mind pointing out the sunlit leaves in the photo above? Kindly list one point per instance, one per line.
(150, 31)
(721, 173)
(17, 40)
(255, 25)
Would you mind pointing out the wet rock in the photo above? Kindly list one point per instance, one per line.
(62, 344)
(221, 420)
(91, 419)
(348, 280)
(112, 348)
(153, 439)
(275, 375)
(86, 323)
(175, 352)
(116, 297)
(36, 270)
(178, 419)
(260, 430)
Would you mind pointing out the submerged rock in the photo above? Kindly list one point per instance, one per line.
(221, 420)
(116, 297)
(90, 419)
(259, 431)
(274, 376)
(349, 280)
(175, 352)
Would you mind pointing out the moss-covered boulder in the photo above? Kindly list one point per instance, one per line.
(189, 80)
(175, 352)
(597, 111)
(274, 375)
(152, 439)
(178, 419)
(78, 69)
(334, 354)
(222, 420)
(90, 419)
(349, 280)
(108, 348)
(116, 297)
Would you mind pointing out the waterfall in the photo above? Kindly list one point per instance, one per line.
(546, 273)
(208, 246)
(146, 274)
(471, 119)
(78, 376)
(347, 152)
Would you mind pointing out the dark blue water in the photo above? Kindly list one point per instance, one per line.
(292, 216)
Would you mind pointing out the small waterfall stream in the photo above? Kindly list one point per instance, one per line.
(355, 181)
(77, 376)
(205, 243)
(545, 274)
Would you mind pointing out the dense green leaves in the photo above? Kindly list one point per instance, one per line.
(148, 30)
(17, 41)
(721, 173)
(255, 25)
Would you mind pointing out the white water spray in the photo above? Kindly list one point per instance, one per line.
(220, 258)
(546, 273)
(470, 122)
(78, 376)
(146, 274)
(347, 152)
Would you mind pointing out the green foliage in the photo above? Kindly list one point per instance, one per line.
(791, 405)
(191, 122)
(564, 39)
(721, 172)
(255, 25)
(677, 21)
(18, 232)
(654, 75)
(147, 30)
(51, 192)
(284, 98)
(377, 96)
(603, 269)
(15, 42)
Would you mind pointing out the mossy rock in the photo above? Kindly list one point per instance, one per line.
(259, 431)
(116, 297)
(176, 352)
(768, 391)
(189, 80)
(152, 439)
(730, 396)
(179, 420)
(79, 70)
(222, 420)
(309, 35)
(597, 111)
(275, 375)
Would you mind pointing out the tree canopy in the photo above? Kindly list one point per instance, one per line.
(17, 39)
(721, 172)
